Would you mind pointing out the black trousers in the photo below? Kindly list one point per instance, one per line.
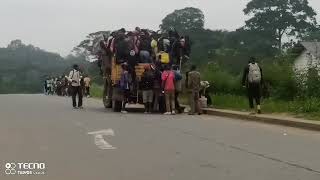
(87, 91)
(254, 94)
(77, 90)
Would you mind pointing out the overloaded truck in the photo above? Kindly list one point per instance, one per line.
(135, 98)
(115, 101)
(120, 48)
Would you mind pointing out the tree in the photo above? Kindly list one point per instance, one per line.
(184, 20)
(15, 44)
(280, 17)
(86, 47)
(313, 35)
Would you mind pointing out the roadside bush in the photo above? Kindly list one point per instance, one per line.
(280, 79)
(221, 81)
(96, 90)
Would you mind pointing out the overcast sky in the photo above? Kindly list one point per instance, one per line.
(59, 25)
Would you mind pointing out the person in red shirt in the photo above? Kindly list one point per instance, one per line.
(168, 78)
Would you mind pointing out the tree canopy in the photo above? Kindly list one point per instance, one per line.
(280, 17)
(184, 20)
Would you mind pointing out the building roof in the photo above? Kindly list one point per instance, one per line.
(313, 48)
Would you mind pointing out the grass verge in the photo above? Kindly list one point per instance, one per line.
(307, 109)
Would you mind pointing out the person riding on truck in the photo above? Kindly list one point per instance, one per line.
(180, 50)
(145, 48)
(178, 87)
(124, 86)
(157, 91)
(168, 78)
(121, 46)
(147, 85)
(135, 49)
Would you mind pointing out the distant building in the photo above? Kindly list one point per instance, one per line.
(310, 57)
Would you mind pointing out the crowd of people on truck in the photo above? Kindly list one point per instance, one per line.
(161, 83)
(163, 56)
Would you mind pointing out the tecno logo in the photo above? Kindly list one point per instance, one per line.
(23, 168)
(11, 168)
(31, 166)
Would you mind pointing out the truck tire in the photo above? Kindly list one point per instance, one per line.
(106, 102)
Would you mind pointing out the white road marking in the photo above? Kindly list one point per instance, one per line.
(99, 140)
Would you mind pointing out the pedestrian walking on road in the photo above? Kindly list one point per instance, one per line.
(87, 85)
(252, 80)
(168, 78)
(76, 89)
(193, 85)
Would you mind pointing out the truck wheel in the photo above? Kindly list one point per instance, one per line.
(117, 106)
(106, 102)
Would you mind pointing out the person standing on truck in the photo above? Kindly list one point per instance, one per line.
(180, 51)
(121, 46)
(168, 78)
(194, 88)
(252, 80)
(124, 86)
(76, 89)
(147, 81)
(145, 48)
(157, 92)
(178, 87)
(154, 46)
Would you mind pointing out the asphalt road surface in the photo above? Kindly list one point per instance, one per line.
(95, 144)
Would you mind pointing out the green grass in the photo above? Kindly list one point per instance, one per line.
(308, 109)
(96, 91)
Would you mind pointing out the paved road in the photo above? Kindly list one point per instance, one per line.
(37, 128)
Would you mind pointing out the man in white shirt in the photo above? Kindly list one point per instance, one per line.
(76, 89)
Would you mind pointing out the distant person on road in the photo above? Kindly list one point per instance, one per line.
(45, 87)
(87, 85)
(147, 82)
(76, 89)
(193, 84)
(50, 86)
(252, 80)
(168, 79)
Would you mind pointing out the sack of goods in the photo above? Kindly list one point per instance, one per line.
(203, 102)
(164, 57)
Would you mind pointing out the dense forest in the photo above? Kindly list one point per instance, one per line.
(23, 68)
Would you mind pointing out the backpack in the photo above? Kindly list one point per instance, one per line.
(254, 75)
(164, 57)
(164, 44)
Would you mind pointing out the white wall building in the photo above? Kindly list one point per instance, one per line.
(309, 57)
